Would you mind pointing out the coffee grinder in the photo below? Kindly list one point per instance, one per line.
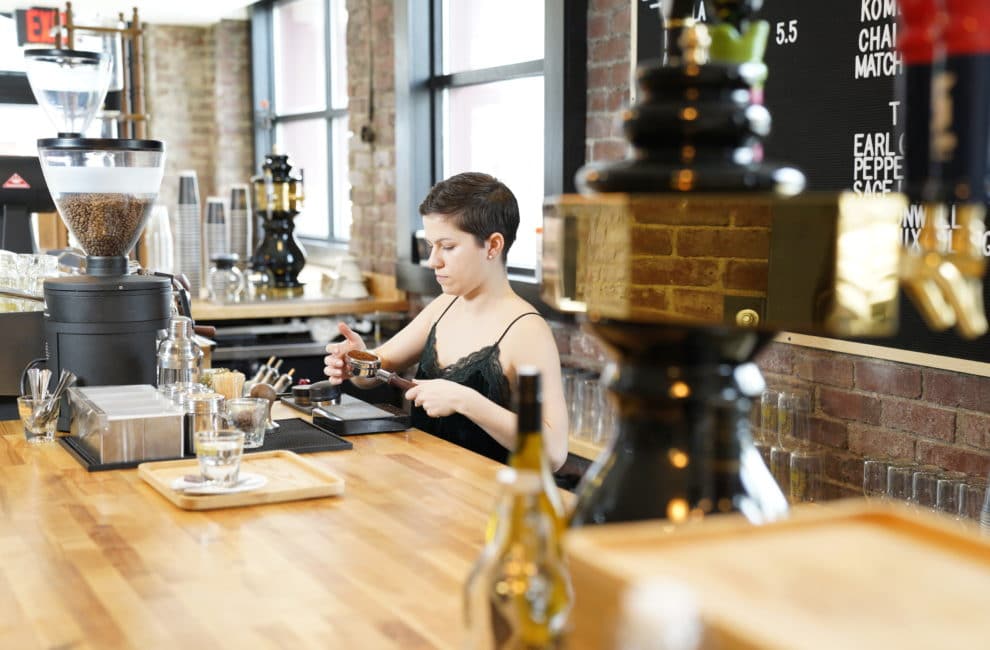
(103, 325)
(278, 196)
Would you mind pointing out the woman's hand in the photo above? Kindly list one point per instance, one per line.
(438, 397)
(336, 367)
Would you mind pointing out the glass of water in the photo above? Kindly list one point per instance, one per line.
(219, 454)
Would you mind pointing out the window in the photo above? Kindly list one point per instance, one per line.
(300, 91)
(22, 122)
(493, 85)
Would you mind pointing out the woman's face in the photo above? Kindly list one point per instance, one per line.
(459, 263)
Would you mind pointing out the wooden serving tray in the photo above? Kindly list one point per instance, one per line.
(846, 575)
(290, 477)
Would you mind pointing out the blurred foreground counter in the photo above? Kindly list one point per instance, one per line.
(313, 301)
(101, 560)
(850, 574)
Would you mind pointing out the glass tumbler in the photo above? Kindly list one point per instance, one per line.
(970, 496)
(924, 483)
(947, 492)
(249, 415)
(875, 478)
(793, 419)
(806, 476)
(899, 476)
(219, 455)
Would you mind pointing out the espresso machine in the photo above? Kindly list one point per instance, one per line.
(101, 325)
(278, 196)
(648, 254)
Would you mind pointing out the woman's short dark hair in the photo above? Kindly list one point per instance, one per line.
(478, 204)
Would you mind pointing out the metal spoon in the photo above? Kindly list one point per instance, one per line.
(47, 407)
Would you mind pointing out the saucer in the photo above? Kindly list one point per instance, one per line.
(246, 482)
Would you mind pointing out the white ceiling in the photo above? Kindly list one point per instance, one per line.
(170, 12)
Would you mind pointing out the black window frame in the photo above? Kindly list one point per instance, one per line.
(419, 120)
(265, 122)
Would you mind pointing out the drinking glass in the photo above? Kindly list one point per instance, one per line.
(219, 454)
(806, 476)
(767, 430)
(249, 415)
(899, 476)
(793, 419)
(875, 478)
(780, 467)
(589, 406)
(970, 496)
(947, 492)
(38, 427)
(924, 483)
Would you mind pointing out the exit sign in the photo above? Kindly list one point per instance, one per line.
(36, 26)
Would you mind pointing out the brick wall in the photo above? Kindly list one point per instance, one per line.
(861, 406)
(371, 47)
(199, 97)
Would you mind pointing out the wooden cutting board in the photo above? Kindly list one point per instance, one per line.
(846, 575)
(290, 478)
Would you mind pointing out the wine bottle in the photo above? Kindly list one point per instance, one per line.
(518, 594)
(529, 453)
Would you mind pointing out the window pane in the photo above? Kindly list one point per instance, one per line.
(11, 56)
(300, 57)
(338, 53)
(21, 126)
(476, 33)
(306, 143)
(497, 128)
(341, 180)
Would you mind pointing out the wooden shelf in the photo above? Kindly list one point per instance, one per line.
(584, 448)
(384, 297)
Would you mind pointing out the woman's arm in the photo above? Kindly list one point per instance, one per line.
(399, 352)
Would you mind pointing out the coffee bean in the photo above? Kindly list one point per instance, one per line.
(105, 224)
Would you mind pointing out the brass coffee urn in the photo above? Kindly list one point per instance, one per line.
(685, 259)
(278, 198)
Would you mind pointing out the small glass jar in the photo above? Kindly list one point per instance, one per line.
(226, 282)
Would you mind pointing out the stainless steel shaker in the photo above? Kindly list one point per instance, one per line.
(179, 357)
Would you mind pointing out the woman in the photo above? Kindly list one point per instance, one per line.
(470, 340)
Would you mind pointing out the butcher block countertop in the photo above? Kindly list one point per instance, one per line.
(101, 560)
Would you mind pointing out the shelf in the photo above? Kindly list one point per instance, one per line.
(584, 448)
(384, 297)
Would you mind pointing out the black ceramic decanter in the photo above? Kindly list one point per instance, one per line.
(278, 196)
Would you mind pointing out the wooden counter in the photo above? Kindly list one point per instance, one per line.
(385, 297)
(101, 560)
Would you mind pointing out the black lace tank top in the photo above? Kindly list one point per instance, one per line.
(480, 370)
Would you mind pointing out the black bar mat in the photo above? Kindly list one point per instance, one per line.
(293, 434)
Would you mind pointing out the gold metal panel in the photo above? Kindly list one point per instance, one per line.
(825, 263)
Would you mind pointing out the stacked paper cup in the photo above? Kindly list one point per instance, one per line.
(215, 231)
(240, 223)
(188, 236)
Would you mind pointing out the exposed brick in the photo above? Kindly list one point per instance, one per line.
(943, 387)
(752, 216)
(648, 240)
(919, 418)
(776, 358)
(649, 298)
(704, 305)
(973, 429)
(849, 406)
(888, 378)
(674, 271)
(609, 150)
(723, 242)
(844, 468)
(958, 459)
(824, 368)
(873, 441)
(598, 26)
(745, 275)
(830, 433)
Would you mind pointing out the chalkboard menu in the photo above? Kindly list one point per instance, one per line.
(831, 89)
